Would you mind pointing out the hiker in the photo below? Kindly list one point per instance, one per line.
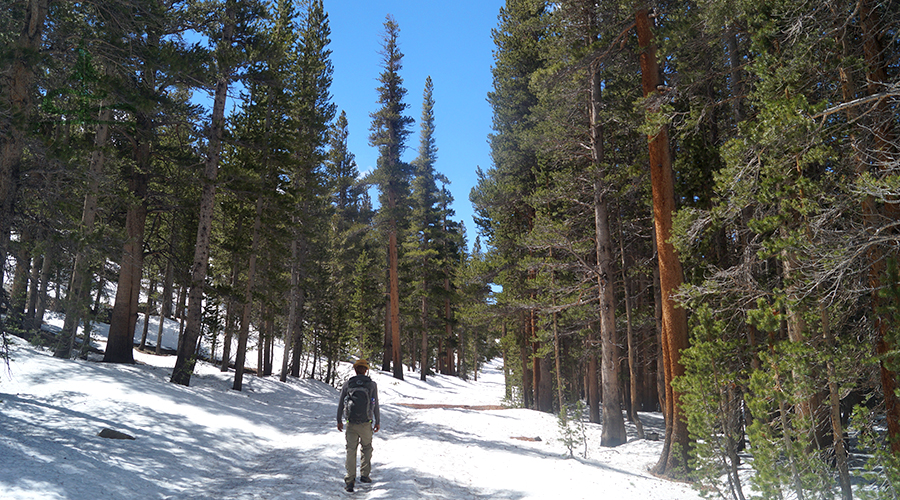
(358, 405)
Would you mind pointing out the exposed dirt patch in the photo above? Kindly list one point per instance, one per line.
(461, 407)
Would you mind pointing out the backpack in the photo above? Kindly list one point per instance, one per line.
(357, 400)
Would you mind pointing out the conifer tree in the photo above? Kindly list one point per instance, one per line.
(390, 128)
(501, 195)
(231, 34)
(312, 113)
(424, 231)
(17, 97)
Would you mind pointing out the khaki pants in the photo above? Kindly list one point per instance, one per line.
(358, 434)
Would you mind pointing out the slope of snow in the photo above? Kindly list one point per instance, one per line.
(278, 440)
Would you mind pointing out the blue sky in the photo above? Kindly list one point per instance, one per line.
(449, 41)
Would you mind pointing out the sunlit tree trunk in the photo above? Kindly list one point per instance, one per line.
(674, 335)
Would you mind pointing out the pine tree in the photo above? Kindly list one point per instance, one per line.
(501, 195)
(390, 129)
(17, 97)
(424, 233)
(232, 34)
(312, 114)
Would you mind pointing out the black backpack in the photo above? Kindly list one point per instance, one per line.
(357, 402)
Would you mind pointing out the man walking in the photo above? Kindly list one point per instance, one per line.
(358, 405)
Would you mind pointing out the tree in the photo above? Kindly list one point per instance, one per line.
(425, 226)
(390, 129)
(149, 95)
(230, 33)
(673, 460)
(500, 197)
(17, 94)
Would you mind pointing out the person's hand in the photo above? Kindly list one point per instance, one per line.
(377, 426)
(340, 426)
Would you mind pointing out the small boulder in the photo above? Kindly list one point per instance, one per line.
(111, 434)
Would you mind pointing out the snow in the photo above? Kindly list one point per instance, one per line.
(279, 440)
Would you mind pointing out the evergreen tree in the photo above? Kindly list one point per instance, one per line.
(22, 34)
(500, 197)
(390, 129)
(312, 114)
(424, 229)
(232, 33)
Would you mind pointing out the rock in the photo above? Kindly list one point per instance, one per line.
(111, 434)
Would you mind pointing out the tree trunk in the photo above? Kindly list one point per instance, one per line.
(613, 433)
(545, 393)
(387, 353)
(840, 453)
(41, 306)
(884, 149)
(185, 361)
(633, 371)
(298, 335)
(18, 296)
(293, 330)
(231, 305)
(80, 285)
(150, 291)
(674, 337)
(423, 355)
(527, 376)
(34, 284)
(395, 303)
(17, 91)
(120, 343)
(244, 332)
(165, 303)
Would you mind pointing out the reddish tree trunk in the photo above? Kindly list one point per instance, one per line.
(674, 336)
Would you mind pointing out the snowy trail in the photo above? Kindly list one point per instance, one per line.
(278, 441)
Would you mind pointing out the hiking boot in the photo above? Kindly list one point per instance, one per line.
(365, 479)
(348, 485)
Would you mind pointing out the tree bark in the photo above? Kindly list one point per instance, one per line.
(613, 433)
(840, 453)
(41, 306)
(185, 361)
(633, 371)
(17, 91)
(150, 291)
(244, 332)
(423, 320)
(120, 343)
(394, 278)
(80, 287)
(884, 147)
(674, 337)
(165, 302)
(293, 332)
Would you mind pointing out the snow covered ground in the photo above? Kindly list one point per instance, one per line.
(278, 440)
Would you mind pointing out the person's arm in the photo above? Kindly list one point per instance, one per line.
(376, 409)
(340, 408)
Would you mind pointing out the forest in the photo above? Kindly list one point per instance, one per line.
(691, 209)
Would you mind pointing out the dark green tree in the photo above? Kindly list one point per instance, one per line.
(390, 128)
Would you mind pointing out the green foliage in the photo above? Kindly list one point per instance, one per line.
(779, 439)
(882, 468)
(572, 432)
(711, 398)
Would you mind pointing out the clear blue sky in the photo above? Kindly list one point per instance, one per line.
(447, 40)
